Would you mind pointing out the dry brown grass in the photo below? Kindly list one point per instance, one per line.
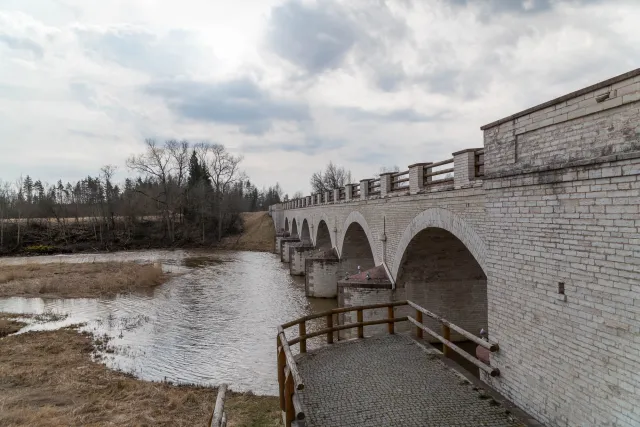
(258, 235)
(82, 280)
(48, 379)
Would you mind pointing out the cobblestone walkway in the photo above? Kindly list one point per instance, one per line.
(390, 381)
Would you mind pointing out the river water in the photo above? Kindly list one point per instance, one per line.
(214, 321)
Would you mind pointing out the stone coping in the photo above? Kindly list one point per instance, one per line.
(605, 83)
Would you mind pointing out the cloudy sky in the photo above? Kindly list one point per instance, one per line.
(289, 84)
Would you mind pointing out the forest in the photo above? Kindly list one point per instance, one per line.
(177, 194)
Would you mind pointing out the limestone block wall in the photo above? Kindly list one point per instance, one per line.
(320, 278)
(297, 258)
(564, 257)
(349, 296)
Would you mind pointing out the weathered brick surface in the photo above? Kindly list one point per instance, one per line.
(560, 202)
(320, 277)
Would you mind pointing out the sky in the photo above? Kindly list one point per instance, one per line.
(290, 85)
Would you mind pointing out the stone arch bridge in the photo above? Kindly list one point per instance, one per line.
(535, 237)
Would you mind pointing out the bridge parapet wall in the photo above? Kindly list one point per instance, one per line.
(563, 199)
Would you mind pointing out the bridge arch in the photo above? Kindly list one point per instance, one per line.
(324, 237)
(357, 245)
(440, 264)
(446, 220)
(305, 233)
(286, 224)
(294, 228)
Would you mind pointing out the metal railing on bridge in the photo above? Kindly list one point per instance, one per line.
(290, 381)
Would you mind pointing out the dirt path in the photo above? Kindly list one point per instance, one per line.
(258, 235)
(81, 280)
(48, 379)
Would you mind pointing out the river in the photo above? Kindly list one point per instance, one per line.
(214, 321)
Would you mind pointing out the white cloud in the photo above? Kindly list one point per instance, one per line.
(291, 84)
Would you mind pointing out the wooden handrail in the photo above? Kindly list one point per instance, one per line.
(347, 326)
(489, 346)
(494, 372)
(436, 164)
(341, 310)
(440, 172)
(290, 380)
(291, 363)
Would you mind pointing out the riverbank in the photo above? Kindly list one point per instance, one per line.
(252, 231)
(78, 280)
(49, 379)
(258, 234)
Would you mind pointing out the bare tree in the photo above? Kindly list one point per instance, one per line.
(156, 162)
(333, 177)
(223, 169)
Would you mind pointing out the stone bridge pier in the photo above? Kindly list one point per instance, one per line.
(535, 238)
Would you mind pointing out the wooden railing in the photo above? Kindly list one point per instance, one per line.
(398, 180)
(430, 175)
(289, 378)
(374, 187)
(355, 191)
(479, 163)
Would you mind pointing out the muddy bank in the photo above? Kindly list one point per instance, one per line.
(9, 324)
(78, 280)
(49, 379)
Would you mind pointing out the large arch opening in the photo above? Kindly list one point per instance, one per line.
(294, 228)
(323, 237)
(439, 272)
(356, 250)
(305, 234)
(286, 224)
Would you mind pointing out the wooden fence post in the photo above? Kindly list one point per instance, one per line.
(302, 331)
(390, 325)
(419, 332)
(446, 334)
(282, 361)
(330, 326)
(360, 320)
(288, 395)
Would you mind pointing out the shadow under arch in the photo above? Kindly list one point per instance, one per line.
(305, 233)
(439, 265)
(318, 220)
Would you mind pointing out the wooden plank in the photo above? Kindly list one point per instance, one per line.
(218, 409)
(360, 319)
(329, 328)
(419, 333)
(494, 372)
(390, 316)
(489, 346)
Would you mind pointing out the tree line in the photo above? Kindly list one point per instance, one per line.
(181, 193)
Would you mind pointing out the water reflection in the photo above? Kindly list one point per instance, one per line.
(214, 323)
